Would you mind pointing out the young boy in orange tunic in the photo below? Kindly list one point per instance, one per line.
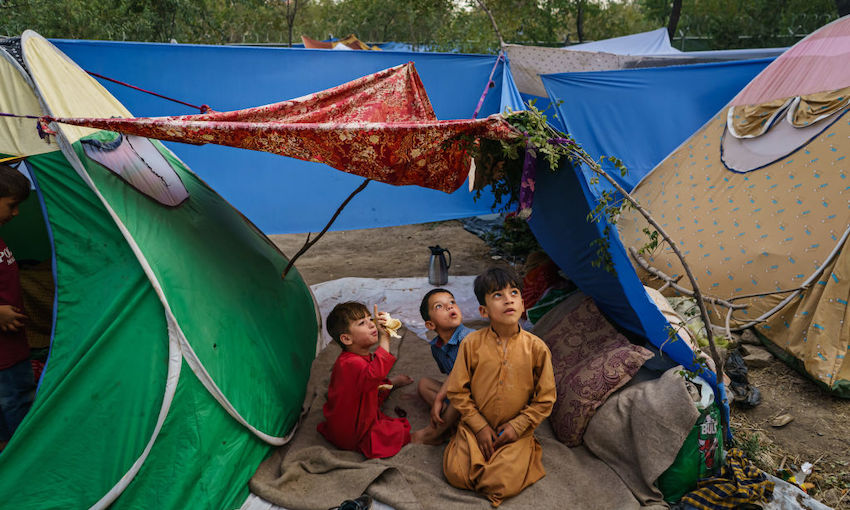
(359, 385)
(503, 386)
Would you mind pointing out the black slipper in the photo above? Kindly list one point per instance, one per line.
(364, 502)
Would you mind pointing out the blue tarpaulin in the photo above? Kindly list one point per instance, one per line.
(562, 201)
(642, 115)
(654, 42)
(283, 195)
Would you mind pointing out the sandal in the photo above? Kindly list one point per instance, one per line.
(364, 502)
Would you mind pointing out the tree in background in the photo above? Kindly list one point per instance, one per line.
(289, 9)
(729, 24)
(447, 25)
(673, 21)
(411, 21)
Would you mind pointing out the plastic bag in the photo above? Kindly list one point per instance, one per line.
(701, 453)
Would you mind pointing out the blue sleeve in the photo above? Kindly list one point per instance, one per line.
(439, 358)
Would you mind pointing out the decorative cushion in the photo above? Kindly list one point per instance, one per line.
(591, 360)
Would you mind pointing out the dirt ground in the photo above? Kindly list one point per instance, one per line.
(819, 432)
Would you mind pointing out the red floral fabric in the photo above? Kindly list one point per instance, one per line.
(380, 126)
(538, 280)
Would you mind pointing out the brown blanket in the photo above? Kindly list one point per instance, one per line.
(632, 438)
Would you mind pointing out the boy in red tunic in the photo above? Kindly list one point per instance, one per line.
(359, 385)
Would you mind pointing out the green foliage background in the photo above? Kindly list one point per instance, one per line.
(447, 25)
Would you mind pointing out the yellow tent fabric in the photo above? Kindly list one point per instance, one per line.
(51, 71)
(18, 136)
(776, 227)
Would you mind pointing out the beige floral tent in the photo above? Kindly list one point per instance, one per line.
(759, 201)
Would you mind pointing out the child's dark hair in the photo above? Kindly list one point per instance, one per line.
(13, 183)
(493, 279)
(341, 318)
(424, 310)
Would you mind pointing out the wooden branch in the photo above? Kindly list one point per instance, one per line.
(308, 243)
(760, 294)
(728, 319)
(671, 282)
(697, 294)
(493, 21)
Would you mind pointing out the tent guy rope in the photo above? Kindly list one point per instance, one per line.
(203, 108)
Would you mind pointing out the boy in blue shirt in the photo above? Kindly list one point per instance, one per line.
(443, 316)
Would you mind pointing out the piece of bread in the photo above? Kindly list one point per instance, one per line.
(392, 326)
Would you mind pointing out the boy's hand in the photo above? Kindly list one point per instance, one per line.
(485, 438)
(11, 319)
(505, 434)
(380, 319)
(438, 407)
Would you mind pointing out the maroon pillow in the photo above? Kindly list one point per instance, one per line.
(591, 360)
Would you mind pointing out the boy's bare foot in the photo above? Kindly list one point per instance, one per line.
(428, 435)
(400, 380)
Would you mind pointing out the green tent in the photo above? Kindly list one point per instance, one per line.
(178, 355)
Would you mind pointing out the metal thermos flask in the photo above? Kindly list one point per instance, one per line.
(438, 268)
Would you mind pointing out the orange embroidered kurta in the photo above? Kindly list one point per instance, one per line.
(495, 381)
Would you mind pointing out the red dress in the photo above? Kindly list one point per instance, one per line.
(353, 417)
(14, 347)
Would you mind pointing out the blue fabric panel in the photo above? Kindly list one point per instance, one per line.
(397, 46)
(283, 195)
(558, 221)
(511, 98)
(654, 42)
(642, 115)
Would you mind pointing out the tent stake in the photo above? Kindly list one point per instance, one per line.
(308, 243)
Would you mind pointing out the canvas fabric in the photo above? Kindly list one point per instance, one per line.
(103, 417)
(529, 62)
(52, 71)
(381, 127)
(813, 328)
(812, 108)
(351, 42)
(18, 136)
(653, 42)
(761, 231)
(118, 392)
(815, 64)
(769, 225)
(749, 121)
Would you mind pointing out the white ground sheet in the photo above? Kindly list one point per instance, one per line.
(398, 296)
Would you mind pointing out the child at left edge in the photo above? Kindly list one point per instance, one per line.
(353, 417)
(17, 385)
